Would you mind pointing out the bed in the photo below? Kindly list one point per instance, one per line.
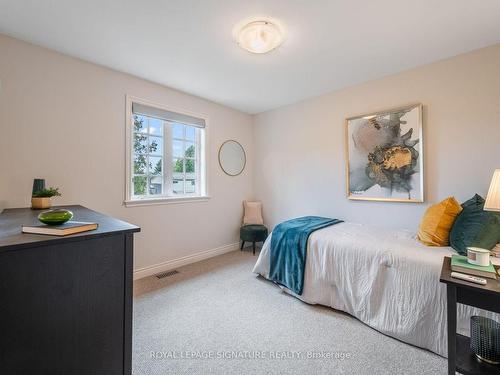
(384, 278)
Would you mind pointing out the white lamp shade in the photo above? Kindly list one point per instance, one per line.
(493, 198)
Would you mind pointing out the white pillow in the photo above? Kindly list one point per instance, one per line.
(253, 213)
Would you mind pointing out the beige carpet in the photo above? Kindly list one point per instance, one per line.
(216, 317)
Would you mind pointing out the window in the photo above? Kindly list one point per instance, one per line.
(166, 154)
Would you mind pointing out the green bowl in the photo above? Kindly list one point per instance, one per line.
(55, 217)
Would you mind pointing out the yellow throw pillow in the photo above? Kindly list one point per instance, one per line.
(437, 222)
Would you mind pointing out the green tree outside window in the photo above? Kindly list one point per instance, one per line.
(189, 153)
(141, 149)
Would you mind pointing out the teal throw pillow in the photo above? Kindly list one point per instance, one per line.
(475, 227)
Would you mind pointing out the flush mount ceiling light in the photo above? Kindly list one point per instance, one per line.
(259, 35)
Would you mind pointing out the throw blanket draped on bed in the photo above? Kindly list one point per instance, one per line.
(289, 249)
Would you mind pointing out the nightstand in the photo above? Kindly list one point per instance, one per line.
(487, 297)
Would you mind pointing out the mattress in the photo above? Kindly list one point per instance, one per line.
(384, 278)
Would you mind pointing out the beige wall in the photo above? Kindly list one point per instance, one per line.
(300, 151)
(50, 104)
(64, 119)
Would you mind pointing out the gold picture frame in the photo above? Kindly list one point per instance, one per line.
(385, 155)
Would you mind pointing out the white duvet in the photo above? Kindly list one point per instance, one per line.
(385, 278)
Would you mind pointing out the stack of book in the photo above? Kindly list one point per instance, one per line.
(459, 264)
(495, 252)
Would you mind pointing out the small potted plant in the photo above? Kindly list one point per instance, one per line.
(41, 198)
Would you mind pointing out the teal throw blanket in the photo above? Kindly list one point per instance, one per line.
(289, 250)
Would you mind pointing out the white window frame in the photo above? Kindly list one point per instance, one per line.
(202, 187)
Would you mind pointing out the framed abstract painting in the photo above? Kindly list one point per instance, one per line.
(385, 156)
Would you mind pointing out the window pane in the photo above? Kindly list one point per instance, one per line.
(178, 166)
(155, 127)
(178, 176)
(190, 166)
(156, 145)
(190, 186)
(190, 133)
(178, 186)
(189, 150)
(152, 141)
(155, 165)
(139, 183)
(140, 164)
(178, 149)
(140, 123)
(155, 185)
(140, 143)
(178, 131)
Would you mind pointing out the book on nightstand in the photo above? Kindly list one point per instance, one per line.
(459, 264)
(495, 252)
(70, 227)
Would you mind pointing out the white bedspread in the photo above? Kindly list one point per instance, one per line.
(386, 279)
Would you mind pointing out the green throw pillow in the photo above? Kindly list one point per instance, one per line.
(475, 227)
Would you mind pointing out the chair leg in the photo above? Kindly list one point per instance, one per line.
(242, 244)
(253, 246)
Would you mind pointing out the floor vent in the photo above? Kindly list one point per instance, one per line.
(166, 274)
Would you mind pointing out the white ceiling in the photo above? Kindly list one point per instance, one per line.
(187, 44)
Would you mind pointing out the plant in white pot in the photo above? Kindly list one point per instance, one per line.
(41, 198)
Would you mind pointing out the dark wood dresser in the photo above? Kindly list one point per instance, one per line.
(65, 302)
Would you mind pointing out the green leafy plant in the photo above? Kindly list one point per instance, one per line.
(47, 193)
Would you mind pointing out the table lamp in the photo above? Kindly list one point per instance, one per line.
(493, 198)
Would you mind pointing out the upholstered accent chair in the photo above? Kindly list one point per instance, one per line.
(253, 229)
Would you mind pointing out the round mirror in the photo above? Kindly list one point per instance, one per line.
(232, 158)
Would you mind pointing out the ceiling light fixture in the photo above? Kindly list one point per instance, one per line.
(259, 35)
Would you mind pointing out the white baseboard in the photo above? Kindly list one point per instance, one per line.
(179, 262)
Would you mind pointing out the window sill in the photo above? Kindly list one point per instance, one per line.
(166, 200)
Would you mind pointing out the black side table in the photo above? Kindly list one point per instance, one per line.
(487, 297)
